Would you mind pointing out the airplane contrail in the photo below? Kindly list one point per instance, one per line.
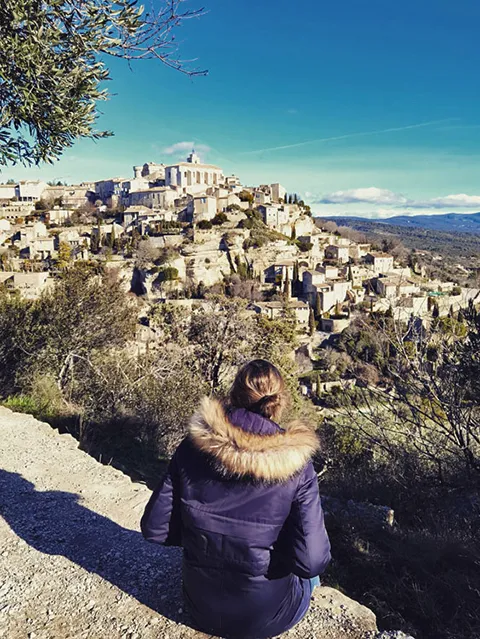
(351, 135)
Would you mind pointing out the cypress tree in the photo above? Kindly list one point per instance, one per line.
(286, 285)
(318, 306)
(311, 322)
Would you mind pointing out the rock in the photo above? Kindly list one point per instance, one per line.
(337, 616)
(360, 513)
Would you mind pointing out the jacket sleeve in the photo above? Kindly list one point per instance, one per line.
(311, 546)
(161, 521)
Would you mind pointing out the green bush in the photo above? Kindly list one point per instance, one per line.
(204, 225)
(219, 219)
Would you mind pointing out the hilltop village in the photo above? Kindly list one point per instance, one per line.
(179, 231)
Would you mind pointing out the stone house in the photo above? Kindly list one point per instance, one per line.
(8, 191)
(132, 215)
(30, 190)
(109, 191)
(150, 170)
(57, 215)
(333, 292)
(30, 285)
(202, 207)
(390, 287)
(232, 181)
(159, 197)
(274, 216)
(379, 262)
(278, 192)
(275, 310)
(337, 253)
(15, 210)
(330, 272)
(226, 198)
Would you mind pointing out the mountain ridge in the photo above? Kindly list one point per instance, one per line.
(449, 222)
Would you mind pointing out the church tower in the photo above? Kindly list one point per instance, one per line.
(193, 158)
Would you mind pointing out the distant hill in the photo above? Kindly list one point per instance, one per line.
(448, 222)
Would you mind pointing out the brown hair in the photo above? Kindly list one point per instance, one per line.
(259, 387)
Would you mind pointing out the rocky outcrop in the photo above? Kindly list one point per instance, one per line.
(368, 515)
(74, 564)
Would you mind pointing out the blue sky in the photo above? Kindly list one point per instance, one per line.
(362, 106)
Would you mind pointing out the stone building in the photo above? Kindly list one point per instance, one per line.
(276, 310)
(202, 207)
(379, 262)
(109, 191)
(30, 190)
(392, 287)
(150, 170)
(7, 191)
(192, 176)
(337, 253)
(274, 216)
(158, 197)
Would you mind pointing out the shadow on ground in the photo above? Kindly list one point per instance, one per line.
(55, 523)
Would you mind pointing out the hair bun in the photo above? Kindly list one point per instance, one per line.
(268, 404)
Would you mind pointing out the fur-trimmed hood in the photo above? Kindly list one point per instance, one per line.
(239, 453)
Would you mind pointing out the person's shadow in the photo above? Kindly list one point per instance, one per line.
(53, 522)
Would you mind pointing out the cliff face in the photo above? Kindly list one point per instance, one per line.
(74, 563)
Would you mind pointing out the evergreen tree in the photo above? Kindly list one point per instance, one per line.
(350, 273)
(290, 199)
(286, 286)
(461, 316)
(318, 306)
(295, 198)
(311, 322)
(435, 311)
(451, 314)
(294, 232)
(94, 242)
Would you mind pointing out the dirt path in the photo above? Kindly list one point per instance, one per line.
(73, 563)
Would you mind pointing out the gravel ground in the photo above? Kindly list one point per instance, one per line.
(74, 565)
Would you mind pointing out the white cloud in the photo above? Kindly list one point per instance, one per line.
(384, 197)
(456, 200)
(370, 195)
(182, 149)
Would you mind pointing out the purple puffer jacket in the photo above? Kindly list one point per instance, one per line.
(241, 497)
